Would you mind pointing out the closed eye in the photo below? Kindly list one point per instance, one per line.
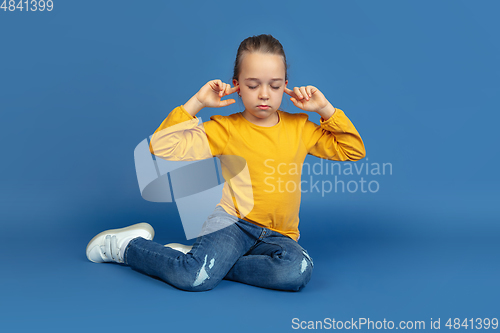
(275, 88)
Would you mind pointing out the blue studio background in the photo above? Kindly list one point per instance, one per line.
(82, 85)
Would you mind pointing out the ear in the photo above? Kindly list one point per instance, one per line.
(235, 83)
(286, 82)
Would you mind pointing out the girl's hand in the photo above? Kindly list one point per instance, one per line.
(211, 93)
(309, 98)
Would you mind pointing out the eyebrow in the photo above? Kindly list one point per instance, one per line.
(255, 79)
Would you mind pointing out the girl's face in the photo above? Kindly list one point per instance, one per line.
(262, 84)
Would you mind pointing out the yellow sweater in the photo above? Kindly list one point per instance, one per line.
(274, 157)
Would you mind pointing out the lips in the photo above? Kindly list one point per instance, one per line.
(264, 107)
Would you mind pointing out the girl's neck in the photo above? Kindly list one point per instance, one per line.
(266, 122)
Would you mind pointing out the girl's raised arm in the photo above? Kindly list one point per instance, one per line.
(336, 138)
(180, 137)
(210, 96)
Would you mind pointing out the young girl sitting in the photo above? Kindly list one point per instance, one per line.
(258, 246)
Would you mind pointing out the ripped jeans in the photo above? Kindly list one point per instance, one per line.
(241, 251)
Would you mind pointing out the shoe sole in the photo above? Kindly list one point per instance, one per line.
(138, 226)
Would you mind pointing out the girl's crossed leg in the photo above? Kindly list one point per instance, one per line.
(241, 252)
(275, 262)
(201, 269)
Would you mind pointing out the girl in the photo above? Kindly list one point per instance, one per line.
(258, 246)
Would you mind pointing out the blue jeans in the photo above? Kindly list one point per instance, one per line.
(241, 251)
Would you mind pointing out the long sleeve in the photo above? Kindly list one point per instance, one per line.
(180, 137)
(335, 138)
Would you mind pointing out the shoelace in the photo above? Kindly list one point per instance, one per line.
(111, 249)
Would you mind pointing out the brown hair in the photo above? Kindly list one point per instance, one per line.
(261, 43)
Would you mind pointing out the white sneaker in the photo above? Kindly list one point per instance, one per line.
(109, 245)
(180, 247)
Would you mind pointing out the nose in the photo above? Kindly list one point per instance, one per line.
(264, 92)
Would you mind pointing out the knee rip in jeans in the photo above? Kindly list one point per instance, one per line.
(304, 262)
(202, 274)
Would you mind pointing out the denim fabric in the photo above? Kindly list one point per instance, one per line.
(241, 251)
